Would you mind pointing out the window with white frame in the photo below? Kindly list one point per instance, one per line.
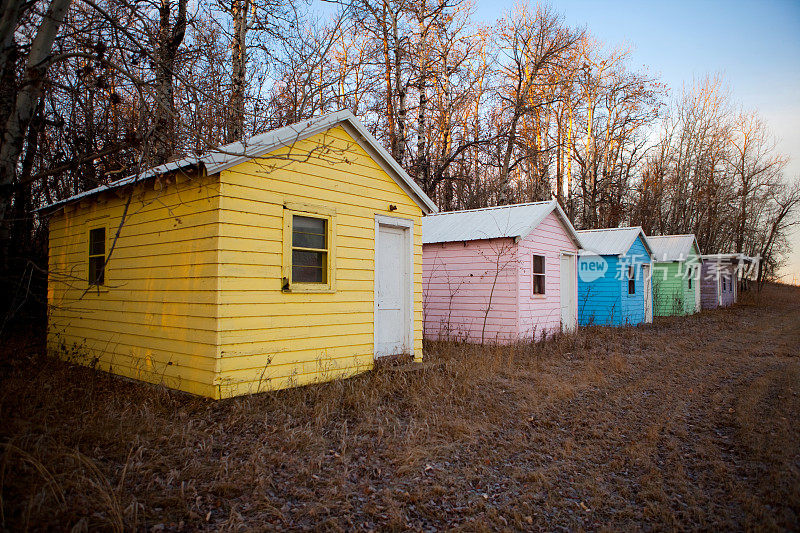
(631, 280)
(538, 274)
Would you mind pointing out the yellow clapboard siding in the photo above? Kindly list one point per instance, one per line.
(254, 283)
(284, 318)
(151, 320)
(137, 224)
(285, 335)
(189, 330)
(290, 309)
(323, 369)
(149, 366)
(143, 337)
(142, 358)
(169, 233)
(274, 360)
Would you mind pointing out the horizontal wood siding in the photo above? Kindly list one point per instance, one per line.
(599, 301)
(271, 339)
(605, 301)
(713, 271)
(672, 294)
(669, 289)
(155, 318)
(709, 296)
(470, 290)
(541, 314)
(634, 305)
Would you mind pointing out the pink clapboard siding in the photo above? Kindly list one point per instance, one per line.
(461, 280)
(541, 315)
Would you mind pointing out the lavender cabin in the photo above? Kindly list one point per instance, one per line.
(719, 285)
(499, 274)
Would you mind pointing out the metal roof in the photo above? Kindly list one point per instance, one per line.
(612, 241)
(732, 258)
(515, 221)
(232, 154)
(672, 247)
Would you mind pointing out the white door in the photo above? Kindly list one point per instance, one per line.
(569, 297)
(648, 294)
(392, 291)
(719, 290)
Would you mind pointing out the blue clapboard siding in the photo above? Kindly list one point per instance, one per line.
(599, 301)
(634, 304)
(605, 301)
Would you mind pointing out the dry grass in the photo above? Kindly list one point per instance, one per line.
(691, 423)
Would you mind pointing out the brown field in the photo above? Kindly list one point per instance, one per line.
(690, 423)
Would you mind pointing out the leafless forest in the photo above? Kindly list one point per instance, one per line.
(519, 110)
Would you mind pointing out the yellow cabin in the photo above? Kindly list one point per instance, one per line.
(291, 258)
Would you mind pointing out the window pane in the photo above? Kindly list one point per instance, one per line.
(309, 267)
(538, 264)
(538, 284)
(308, 240)
(303, 258)
(97, 241)
(305, 274)
(308, 232)
(97, 270)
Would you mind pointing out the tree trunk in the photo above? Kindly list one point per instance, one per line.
(239, 11)
(20, 115)
(170, 38)
(401, 92)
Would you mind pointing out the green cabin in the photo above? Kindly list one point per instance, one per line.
(676, 275)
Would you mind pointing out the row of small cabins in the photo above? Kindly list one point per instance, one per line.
(307, 253)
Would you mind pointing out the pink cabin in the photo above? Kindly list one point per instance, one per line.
(499, 274)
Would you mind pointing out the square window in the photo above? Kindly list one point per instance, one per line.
(309, 249)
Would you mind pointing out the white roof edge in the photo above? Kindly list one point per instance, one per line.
(645, 241)
(694, 241)
(549, 206)
(630, 243)
(280, 137)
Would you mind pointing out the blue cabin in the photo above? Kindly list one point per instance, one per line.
(614, 277)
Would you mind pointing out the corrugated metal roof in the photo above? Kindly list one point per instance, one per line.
(490, 222)
(672, 247)
(612, 241)
(232, 154)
